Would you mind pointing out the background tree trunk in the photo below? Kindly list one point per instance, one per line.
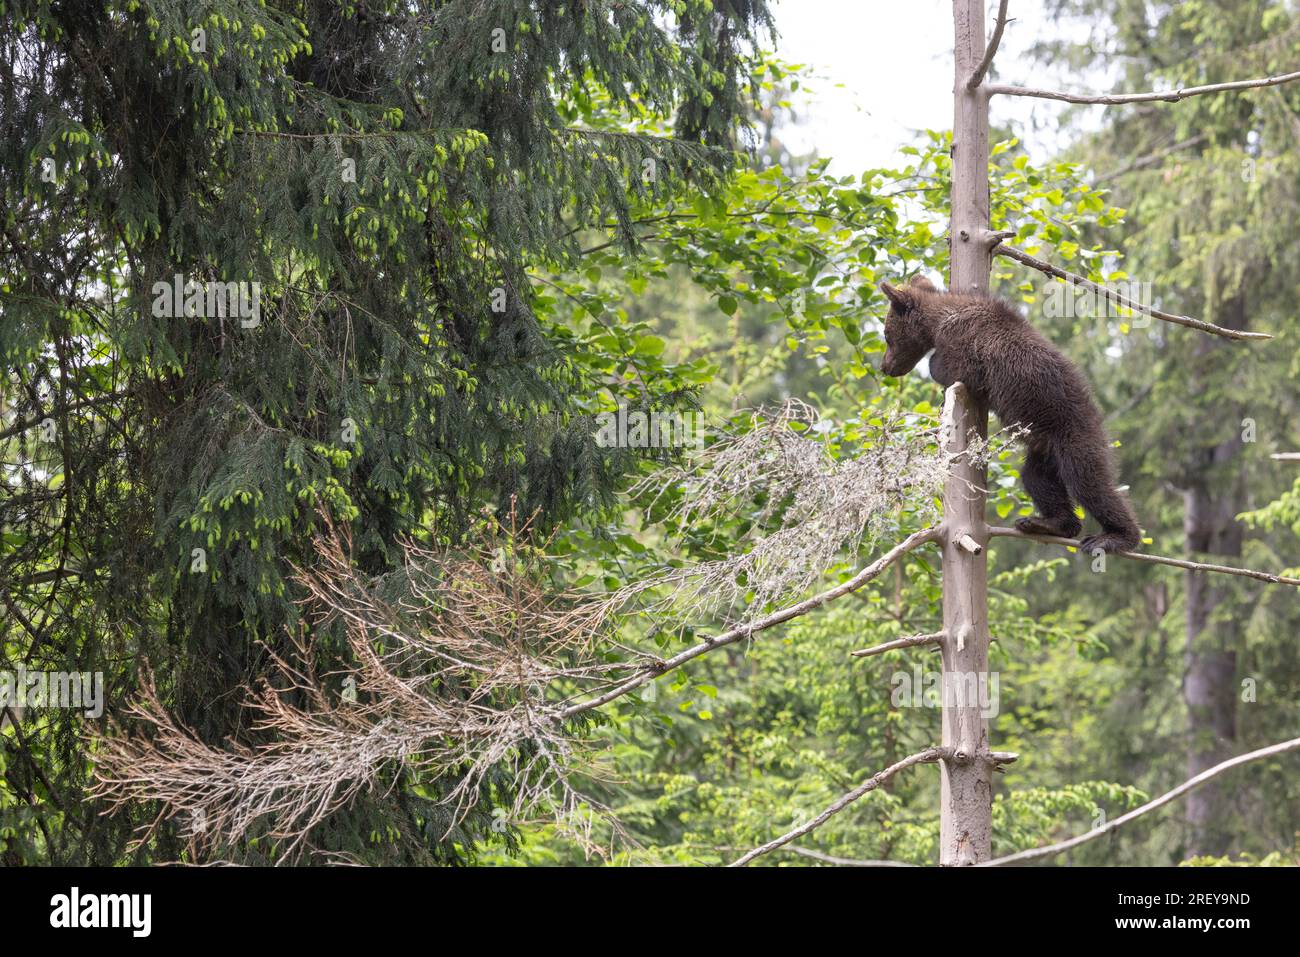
(1215, 495)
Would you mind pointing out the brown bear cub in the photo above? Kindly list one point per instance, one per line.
(1011, 369)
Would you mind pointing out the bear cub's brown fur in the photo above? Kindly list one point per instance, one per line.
(1013, 370)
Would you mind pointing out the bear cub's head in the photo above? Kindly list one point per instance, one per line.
(907, 334)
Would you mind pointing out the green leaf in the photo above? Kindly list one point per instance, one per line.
(650, 346)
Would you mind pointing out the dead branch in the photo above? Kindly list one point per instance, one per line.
(450, 660)
(1020, 256)
(1003, 532)
(1187, 786)
(991, 50)
(840, 861)
(928, 756)
(455, 662)
(463, 663)
(1167, 96)
(913, 541)
(810, 509)
(899, 643)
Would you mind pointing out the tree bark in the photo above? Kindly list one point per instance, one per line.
(966, 803)
(966, 798)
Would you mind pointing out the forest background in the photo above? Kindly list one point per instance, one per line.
(647, 251)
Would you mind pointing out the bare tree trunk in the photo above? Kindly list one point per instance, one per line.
(966, 800)
(1215, 495)
(966, 807)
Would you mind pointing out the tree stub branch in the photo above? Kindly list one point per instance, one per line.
(1053, 849)
(1167, 96)
(991, 237)
(1020, 256)
(1003, 532)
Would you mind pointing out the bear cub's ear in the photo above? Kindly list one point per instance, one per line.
(902, 297)
(899, 297)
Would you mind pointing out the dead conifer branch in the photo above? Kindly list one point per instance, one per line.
(1001, 531)
(454, 664)
(1020, 256)
(991, 50)
(909, 642)
(928, 756)
(1187, 786)
(744, 632)
(840, 861)
(463, 663)
(1166, 96)
(810, 508)
(456, 669)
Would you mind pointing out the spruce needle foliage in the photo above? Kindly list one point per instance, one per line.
(386, 174)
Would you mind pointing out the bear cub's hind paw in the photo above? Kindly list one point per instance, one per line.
(1065, 527)
(1108, 542)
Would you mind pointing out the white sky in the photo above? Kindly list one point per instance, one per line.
(894, 59)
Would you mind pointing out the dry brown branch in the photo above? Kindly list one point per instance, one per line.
(458, 668)
(1003, 532)
(458, 664)
(1187, 786)
(1020, 256)
(455, 660)
(928, 756)
(1167, 96)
